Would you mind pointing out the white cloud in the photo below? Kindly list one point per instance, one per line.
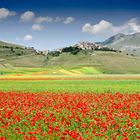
(133, 23)
(37, 27)
(105, 28)
(43, 19)
(4, 13)
(30, 16)
(69, 20)
(27, 16)
(97, 28)
(27, 37)
(58, 19)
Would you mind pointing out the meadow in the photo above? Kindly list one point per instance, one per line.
(62, 86)
(38, 106)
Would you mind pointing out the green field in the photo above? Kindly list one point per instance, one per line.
(49, 71)
(58, 79)
(97, 62)
(99, 86)
(103, 62)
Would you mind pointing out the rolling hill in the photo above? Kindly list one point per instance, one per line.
(101, 61)
(12, 55)
(2, 43)
(75, 62)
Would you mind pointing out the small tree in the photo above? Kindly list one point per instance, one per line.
(12, 49)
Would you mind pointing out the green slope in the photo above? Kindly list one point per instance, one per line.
(66, 63)
(103, 62)
(2, 43)
(12, 55)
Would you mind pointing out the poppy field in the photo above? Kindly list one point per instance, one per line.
(70, 116)
(68, 109)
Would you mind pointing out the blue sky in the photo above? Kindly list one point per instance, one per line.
(50, 24)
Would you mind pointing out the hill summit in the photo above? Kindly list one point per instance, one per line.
(126, 43)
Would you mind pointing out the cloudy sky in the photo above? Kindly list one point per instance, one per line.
(50, 24)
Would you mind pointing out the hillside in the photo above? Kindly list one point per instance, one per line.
(12, 55)
(2, 43)
(101, 61)
(69, 60)
(127, 43)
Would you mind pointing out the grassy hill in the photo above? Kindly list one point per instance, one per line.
(2, 43)
(97, 62)
(100, 61)
(12, 55)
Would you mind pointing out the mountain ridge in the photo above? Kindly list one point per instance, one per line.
(127, 43)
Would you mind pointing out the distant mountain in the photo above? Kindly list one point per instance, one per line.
(125, 43)
(113, 39)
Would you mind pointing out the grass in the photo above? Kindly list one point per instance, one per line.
(21, 70)
(59, 79)
(102, 62)
(99, 86)
(28, 61)
(49, 71)
(16, 55)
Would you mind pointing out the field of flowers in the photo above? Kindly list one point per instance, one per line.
(54, 116)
